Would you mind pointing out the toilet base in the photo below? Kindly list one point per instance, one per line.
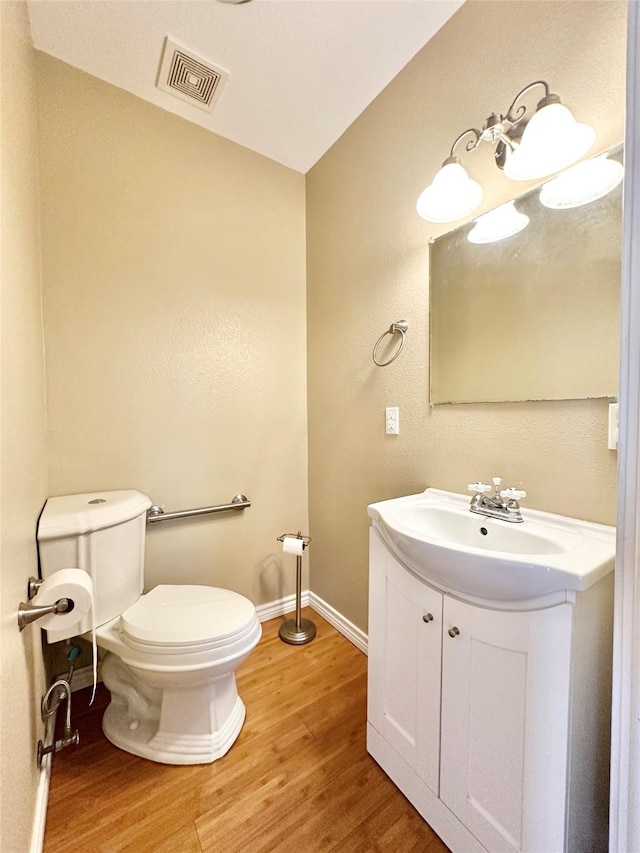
(196, 724)
(168, 748)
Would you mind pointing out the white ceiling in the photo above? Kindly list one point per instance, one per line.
(301, 71)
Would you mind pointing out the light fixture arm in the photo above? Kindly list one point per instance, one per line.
(494, 130)
(471, 145)
(514, 118)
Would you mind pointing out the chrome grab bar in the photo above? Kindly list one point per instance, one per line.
(156, 513)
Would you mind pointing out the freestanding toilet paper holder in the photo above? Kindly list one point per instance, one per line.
(297, 631)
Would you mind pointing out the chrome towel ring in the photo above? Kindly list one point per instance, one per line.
(401, 326)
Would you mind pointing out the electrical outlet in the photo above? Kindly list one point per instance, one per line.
(392, 420)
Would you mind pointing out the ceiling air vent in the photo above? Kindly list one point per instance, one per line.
(189, 77)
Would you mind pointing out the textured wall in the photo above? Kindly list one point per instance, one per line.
(368, 258)
(174, 307)
(23, 450)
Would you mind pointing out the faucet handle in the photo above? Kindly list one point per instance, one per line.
(480, 488)
(513, 494)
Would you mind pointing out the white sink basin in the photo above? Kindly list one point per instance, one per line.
(436, 536)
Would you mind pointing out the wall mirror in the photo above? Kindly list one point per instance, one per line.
(533, 316)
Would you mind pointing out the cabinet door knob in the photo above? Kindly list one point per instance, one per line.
(428, 617)
(453, 632)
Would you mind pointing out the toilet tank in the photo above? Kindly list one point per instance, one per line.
(103, 534)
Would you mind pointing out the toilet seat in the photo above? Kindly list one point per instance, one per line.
(189, 618)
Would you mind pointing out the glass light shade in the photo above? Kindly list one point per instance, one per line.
(498, 224)
(582, 184)
(552, 140)
(452, 195)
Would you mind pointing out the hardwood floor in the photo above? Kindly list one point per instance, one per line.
(297, 779)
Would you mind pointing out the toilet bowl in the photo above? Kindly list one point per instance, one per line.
(170, 667)
(168, 656)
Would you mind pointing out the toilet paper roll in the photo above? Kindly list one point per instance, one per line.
(66, 583)
(293, 545)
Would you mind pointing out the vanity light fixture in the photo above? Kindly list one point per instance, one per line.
(504, 221)
(582, 184)
(526, 148)
(452, 195)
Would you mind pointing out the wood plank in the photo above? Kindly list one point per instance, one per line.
(319, 820)
(395, 826)
(267, 798)
(185, 840)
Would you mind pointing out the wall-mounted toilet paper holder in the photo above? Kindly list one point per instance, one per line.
(28, 613)
(297, 631)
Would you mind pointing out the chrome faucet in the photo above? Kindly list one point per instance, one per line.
(502, 504)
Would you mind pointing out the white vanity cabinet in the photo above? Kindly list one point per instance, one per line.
(405, 642)
(505, 714)
(489, 720)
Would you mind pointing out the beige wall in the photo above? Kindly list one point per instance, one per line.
(174, 306)
(368, 258)
(23, 455)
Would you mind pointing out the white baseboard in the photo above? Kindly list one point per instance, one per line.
(285, 605)
(280, 606)
(354, 634)
(42, 793)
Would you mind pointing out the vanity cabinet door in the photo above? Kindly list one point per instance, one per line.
(405, 643)
(505, 717)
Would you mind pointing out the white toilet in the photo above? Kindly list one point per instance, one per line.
(171, 654)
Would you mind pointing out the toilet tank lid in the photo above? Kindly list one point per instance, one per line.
(71, 515)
